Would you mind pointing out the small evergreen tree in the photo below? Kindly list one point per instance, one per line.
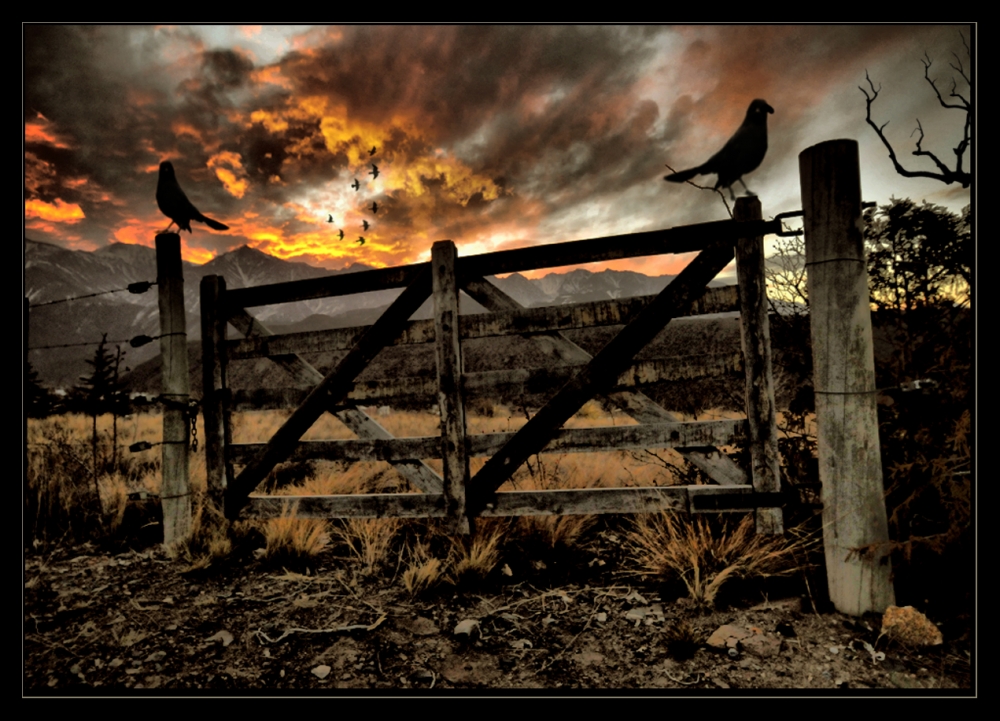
(37, 399)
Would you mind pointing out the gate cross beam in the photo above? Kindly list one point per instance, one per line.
(414, 470)
(332, 390)
(635, 404)
(675, 300)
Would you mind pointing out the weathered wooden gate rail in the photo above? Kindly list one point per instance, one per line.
(612, 372)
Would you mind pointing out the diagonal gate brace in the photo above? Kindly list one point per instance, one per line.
(418, 473)
(637, 405)
(332, 390)
(675, 300)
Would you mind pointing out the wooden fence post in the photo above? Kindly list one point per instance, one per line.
(175, 492)
(213, 354)
(850, 468)
(756, 336)
(454, 452)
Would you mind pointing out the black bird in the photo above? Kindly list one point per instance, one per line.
(374, 207)
(361, 240)
(365, 224)
(341, 234)
(372, 151)
(330, 219)
(374, 171)
(175, 205)
(356, 185)
(742, 154)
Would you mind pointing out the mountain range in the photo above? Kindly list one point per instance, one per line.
(55, 329)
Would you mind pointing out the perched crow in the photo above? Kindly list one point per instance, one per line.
(356, 185)
(175, 205)
(374, 171)
(365, 224)
(742, 154)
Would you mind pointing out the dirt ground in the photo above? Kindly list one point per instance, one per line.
(133, 623)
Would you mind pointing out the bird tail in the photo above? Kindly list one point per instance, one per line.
(214, 224)
(683, 176)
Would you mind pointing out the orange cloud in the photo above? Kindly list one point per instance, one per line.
(41, 130)
(59, 211)
(233, 177)
(271, 75)
(182, 128)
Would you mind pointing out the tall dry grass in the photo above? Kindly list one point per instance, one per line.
(705, 555)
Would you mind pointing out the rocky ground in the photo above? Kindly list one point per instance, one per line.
(134, 622)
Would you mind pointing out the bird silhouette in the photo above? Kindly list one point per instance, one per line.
(374, 207)
(330, 219)
(372, 151)
(175, 205)
(361, 240)
(374, 171)
(742, 154)
(341, 234)
(356, 185)
(365, 224)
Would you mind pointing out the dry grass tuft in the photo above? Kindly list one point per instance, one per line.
(424, 571)
(369, 539)
(292, 540)
(472, 562)
(666, 545)
(556, 531)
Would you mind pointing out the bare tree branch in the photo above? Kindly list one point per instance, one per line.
(946, 175)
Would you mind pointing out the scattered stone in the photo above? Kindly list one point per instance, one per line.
(733, 652)
(719, 682)
(224, 636)
(505, 570)
(521, 643)
(320, 672)
(761, 646)
(116, 663)
(645, 614)
(156, 656)
(601, 617)
(466, 628)
(728, 636)
(910, 627)
(834, 650)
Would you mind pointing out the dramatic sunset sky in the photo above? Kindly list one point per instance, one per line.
(493, 136)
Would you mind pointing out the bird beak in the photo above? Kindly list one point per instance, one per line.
(769, 109)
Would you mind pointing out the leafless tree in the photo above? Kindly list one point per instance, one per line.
(956, 101)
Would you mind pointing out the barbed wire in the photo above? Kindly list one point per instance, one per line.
(133, 288)
(135, 342)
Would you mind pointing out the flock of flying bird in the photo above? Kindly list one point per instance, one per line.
(742, 154)
(357, 186)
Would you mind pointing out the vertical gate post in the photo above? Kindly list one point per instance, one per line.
(175, 491)
(850, 467)
(454, 452)
(756, 336)
(213, 354)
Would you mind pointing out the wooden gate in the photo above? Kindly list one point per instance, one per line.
(613, 373)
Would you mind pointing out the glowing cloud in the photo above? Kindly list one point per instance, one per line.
(58, 211)
(229, 169)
